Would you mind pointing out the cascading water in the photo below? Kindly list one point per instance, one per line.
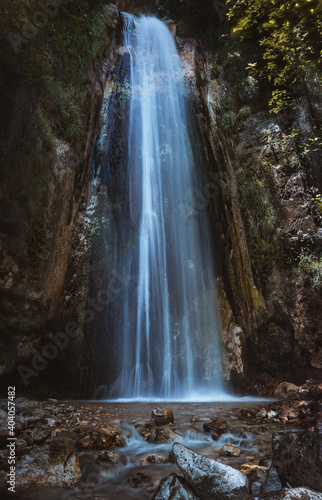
(162, 322)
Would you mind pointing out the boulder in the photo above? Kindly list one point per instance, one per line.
(297, 456)
(286, 390)
(162, 416)
(228, 450)
(101, 436)
(217, 427)
(293, 494)
(54, 464)
(210, 479)
(174, 487)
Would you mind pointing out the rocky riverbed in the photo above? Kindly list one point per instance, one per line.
(94, 450)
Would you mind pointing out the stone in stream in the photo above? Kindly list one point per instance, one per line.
(217, 427)
(110, 458)
(174, 487)
(210, 479)
(297, 456)
(54, 464)
(154, 459)
(273, 482)
(229, 450)
(162, 416)
(101, 436)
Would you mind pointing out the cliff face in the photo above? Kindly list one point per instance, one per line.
(40, 205)
(270, 297)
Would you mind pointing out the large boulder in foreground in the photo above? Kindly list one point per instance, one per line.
(101, 436)
(55, 464)
(297, 457)
(174, 487)
(293, 494)
(210, 479)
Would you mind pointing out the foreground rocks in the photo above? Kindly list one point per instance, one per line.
(210, 479)
(54, 464)
(297, 456)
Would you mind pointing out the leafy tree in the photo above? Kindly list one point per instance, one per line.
(287, 35)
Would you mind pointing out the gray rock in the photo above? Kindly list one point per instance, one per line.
(210, 479)
(293, 494)
(297, 456)
(54, 464)
(174, 487)
(273, 482)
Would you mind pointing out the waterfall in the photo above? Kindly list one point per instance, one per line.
(161, 321)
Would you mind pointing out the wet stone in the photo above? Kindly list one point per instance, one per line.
(228, 450)
(217, 427)
(162, 416)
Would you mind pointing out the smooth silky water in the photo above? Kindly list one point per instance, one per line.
(163, 326)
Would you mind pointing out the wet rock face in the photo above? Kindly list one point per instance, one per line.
(210, 479)
(297, 456)
(101, 436)
(217, 427)
(55, 464)
(174, 487)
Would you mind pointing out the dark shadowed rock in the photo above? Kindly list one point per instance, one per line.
(101, 436)
(54, 464)
(217, 427)
(174, 487)
(209, 479)
(297, 456)
(273, 482)
(162, 416)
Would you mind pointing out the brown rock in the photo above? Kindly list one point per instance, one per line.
(101, 436)
(228, 450)
(162, 416)
(286, 390)
(154, 459)
(217, 427)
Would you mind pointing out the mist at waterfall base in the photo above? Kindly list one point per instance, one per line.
(162, 327)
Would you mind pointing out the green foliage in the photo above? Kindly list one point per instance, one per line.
(287, 37)
(309, 266)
